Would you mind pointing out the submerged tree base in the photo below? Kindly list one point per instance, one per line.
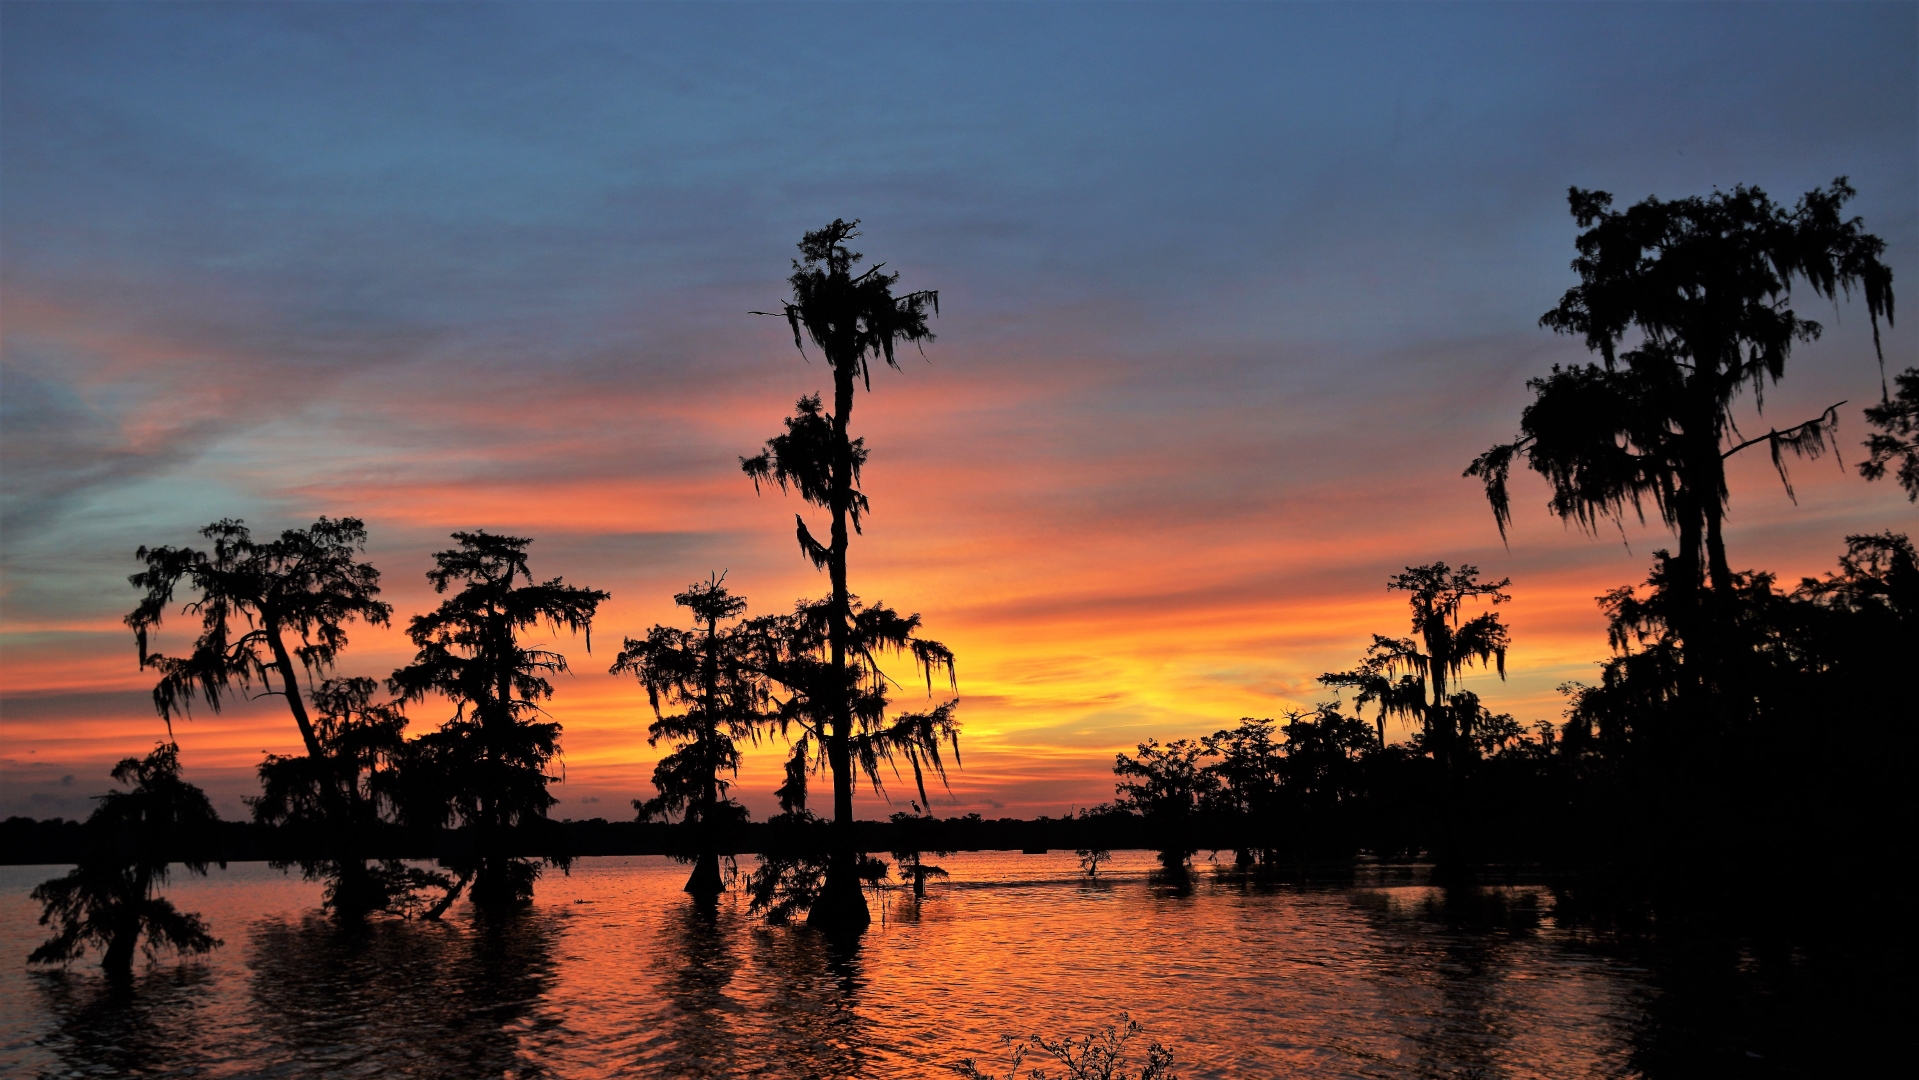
(841, 907)
(706, 882)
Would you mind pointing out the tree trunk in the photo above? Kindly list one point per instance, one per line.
(451, 897)
(842, 903)
(1446, 854)
(354, 893)
(1441, 722)
(1718, 569)
(706, 882)
(492, 882)
(352, 897)
(290, 683)
(118, 962)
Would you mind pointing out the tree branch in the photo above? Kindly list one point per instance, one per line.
(1831, 413)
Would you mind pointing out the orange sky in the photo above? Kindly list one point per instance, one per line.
(1102, 580)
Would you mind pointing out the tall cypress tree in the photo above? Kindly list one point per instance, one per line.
(854, 319)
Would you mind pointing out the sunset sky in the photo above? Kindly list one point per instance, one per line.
(1229, 297)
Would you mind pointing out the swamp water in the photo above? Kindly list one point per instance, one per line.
(612, 973)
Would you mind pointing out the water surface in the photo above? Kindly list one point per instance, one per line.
(614, 973)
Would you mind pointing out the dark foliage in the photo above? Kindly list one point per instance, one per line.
(1705, 285)
(709, 670)
(262, 606)
(914, 839)
(111, 899)
(1167, 786)
(486, 769)
(1748, 776)
(363, 755)
(792, 862)
(1103, 1055)
(254, 599)
(1403, 679)
(1645, 788)
(1705, 746)
(1897, 440)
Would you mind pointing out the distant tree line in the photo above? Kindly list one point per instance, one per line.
(26, 841)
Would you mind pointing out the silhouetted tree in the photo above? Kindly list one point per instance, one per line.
(1706, 284)
(262, 606)
(1487, 733)
(1245, 771)
(709, 670)
(487, 765)
(853, 319)
(1406, 679)
(1897, 418)
(111, 899)
(1324, 752)
(791, 866)
(1167, 786)
(363, 753)
(1878, 575)
(1090, 859)
(1766, 783)
(911, 845)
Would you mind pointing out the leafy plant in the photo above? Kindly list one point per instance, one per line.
(1090, 860)
(1897, 418)
(270, 611)
(363, 757)
(1102, 1055)
(1703, 286)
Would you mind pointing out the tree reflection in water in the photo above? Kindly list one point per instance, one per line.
(1458, 1013)
(701, 957)
(1381, 976)
(106, 1027)
(420, 998)
(1711, 1001)
(812, 1004)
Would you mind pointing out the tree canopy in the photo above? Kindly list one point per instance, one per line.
(252, 596)
(1699, 290)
